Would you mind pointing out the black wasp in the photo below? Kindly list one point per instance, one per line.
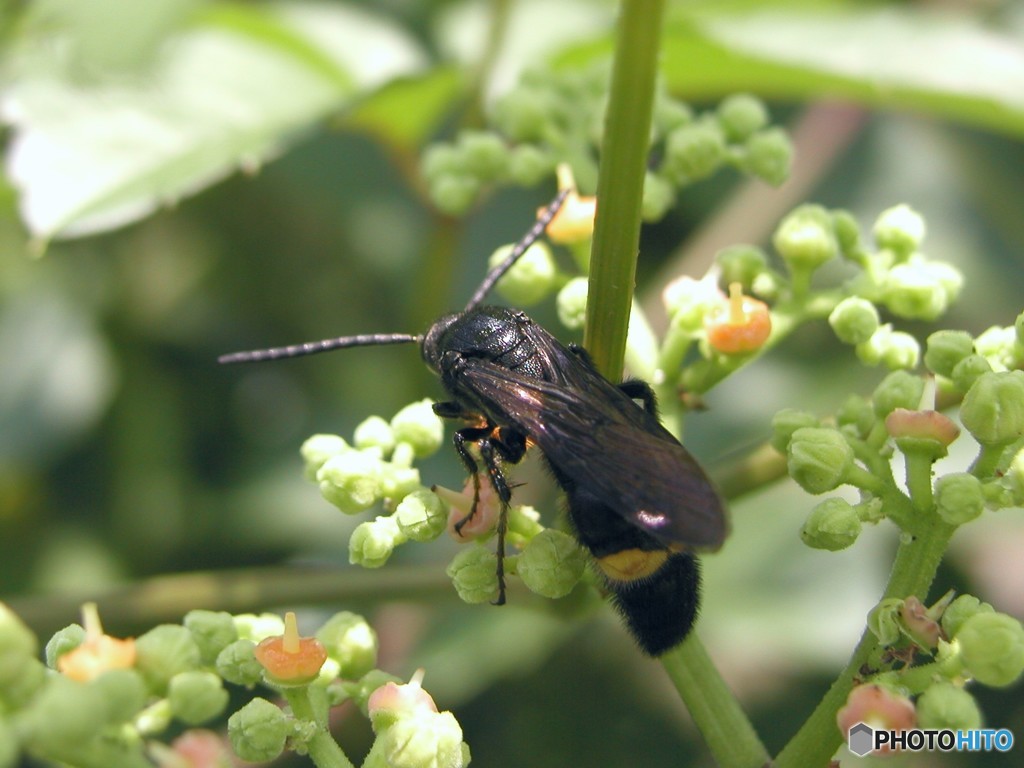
(637, 500)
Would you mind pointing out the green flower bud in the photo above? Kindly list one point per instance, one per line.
(124, 692)
(669, 114)
(422, 740)
(786, 422)
(351, 481)
(741, 264)
(960, 610)
(420, 427)
(897, 390)
(374, 432)
(317, 450)
(21, 674)
(572, 303)
(884, 621)
(806, 239)
(856, 414)
(832, 525)
(968, 370)
(422, 516)
(531, 278)
(196, 697)
(351, 642)
(523, 522)
(959, 498)
(16, 639)
(372, 543)
(212, 632)
(768, 155)
(258, 731)
(993, 408)
(524, 113)
(914, 292)
(63, 640)
(944, 349)
(473, 572)
(687, 301)
(899, 229)
(237, 664)
(819, 459)
(63, 719)
(945, 705)
(999, 346)
(901, 352)
(454, 193)
(693, 152)
(854, 320)
(9, 747)
(847, 234)
(485, 155)
(529, 165)
(551, 564)
(397, 482)
(164, 652)
(442, 160)
(740, 115)
(992, 648)
(21, 677)
(257, 627)
(156, 718)
(659, 197)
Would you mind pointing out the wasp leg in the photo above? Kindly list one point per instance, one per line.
(636, 389)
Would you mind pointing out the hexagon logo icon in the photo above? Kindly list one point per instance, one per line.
(860, 739)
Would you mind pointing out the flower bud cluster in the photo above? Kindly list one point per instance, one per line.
(855, 448)
(375, 468)
(100, 700)
(556, 116)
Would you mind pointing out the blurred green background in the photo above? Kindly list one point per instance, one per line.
(126, 453)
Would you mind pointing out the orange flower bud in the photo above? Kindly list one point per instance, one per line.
(574, 221)
(290, 659)
(878, 707)
(739, 325)
(405, 699)
(98, 653)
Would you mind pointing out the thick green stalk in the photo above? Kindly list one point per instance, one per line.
(621, 181)
(729, 734)
(726, 729)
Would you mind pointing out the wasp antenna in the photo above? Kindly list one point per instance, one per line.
(518, 250)
(316, 347)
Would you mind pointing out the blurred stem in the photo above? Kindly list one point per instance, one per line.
(726, 729)
(913, 571)
(729, 733)
(620, 182)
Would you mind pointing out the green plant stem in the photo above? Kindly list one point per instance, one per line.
(726, 729)
(323, 749)
(987, 461)
(912, 574)
(612, 275)
(620, 182)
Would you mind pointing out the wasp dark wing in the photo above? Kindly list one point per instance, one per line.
(596, 437)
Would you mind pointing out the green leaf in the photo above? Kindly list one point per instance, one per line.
(228, 92)
(899, 58)
(406, 112)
